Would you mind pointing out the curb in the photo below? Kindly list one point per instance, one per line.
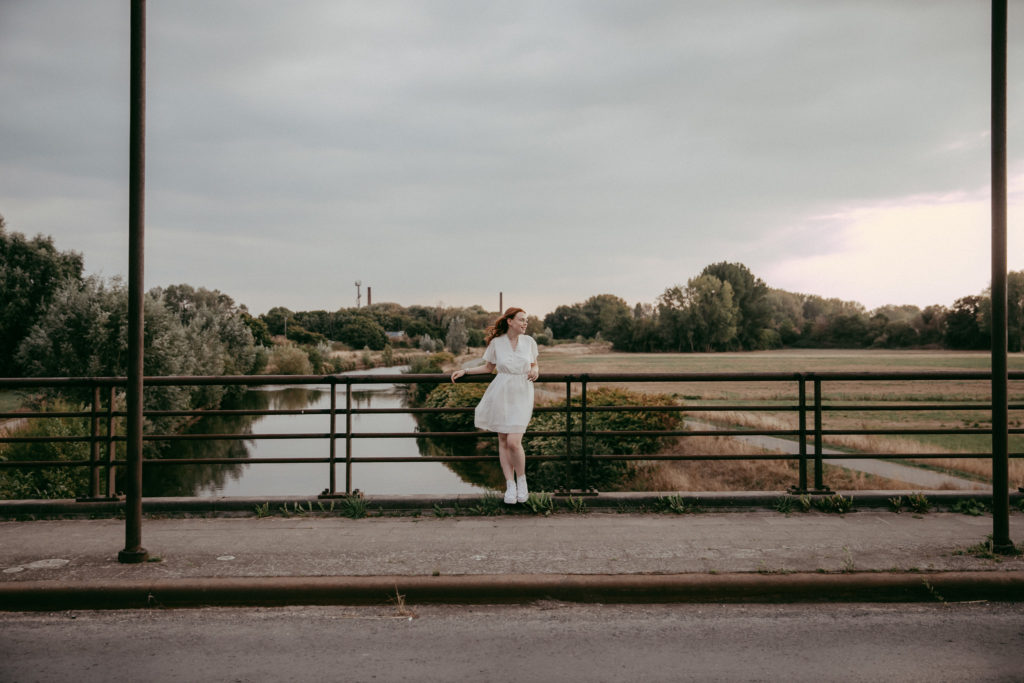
(1005, 586)
(740, 500)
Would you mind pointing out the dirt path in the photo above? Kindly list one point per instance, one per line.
(916, 476)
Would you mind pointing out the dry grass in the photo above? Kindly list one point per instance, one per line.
(979, 468)
(739, 475)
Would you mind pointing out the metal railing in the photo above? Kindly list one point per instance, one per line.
(810, 407)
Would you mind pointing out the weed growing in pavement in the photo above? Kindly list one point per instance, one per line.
(577, 505)
(970, 506)
(440, 512)
(676, 505)
(490, 505)
(401, 609)
(325, 509)
(784, 504)
(919, 503)
(848, 560)
(804, 502)
(354, 507)
(896, 504)
(836, 504)
(986, 550)
(931, 591)
(540, 504)
(262, 510)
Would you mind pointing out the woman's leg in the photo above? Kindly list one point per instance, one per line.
(505, 458)
(515, 453)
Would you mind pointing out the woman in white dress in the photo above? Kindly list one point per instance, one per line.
(507, 405)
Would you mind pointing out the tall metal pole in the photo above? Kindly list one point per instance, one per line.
(1000, 380)
(133, 550)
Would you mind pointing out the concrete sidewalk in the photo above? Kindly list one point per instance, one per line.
(753, 555)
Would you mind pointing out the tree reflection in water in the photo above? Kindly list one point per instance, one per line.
(307, 479)
(193, 480)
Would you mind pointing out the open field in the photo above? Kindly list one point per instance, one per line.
(574, 359)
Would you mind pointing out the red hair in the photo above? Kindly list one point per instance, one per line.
(500, 325)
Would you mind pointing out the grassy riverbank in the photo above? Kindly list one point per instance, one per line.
(754, 475)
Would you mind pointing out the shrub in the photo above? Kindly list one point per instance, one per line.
(64, 482)
(603, 474)
(552, 475)
(289, 360)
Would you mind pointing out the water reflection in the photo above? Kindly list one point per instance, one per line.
(304, 479)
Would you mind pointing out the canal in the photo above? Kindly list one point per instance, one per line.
(305, 479)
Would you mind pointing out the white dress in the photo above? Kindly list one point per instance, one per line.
(507, 405)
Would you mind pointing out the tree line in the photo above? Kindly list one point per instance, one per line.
(55, 321)
(727, 308)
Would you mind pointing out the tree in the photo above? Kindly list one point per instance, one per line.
(277, 319)
(604, 313)
(787, 314)
(31, 273)
(713, 313)
(360, 330)
(964, 324)
(701, 317)
(457, 336)
(753, 313)
(567, 322)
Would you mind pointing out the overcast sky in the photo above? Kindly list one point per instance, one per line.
(443, 151)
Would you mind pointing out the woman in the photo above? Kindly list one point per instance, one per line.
(507, 405)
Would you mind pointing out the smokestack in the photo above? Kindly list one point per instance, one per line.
(369, 295)
(501, 302)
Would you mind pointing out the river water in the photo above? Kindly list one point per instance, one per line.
(305, 479)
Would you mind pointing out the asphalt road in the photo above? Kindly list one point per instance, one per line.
(538, 642)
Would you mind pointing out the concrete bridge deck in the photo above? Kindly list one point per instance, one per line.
(749, 554)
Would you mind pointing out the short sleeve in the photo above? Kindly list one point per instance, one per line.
(490, 355)
(533, 350)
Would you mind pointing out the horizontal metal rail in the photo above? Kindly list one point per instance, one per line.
(576, 410)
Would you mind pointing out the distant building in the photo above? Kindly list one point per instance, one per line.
(397, 337)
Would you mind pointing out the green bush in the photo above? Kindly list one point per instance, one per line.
(552, 475)
(289, 360)
(64, 482)
(428, 365)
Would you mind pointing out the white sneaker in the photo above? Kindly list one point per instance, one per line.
(522, 493)
(510, 492)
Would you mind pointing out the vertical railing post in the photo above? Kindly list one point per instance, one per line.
(334, 436)
(94, 444)
(584, 452)
(818, 441)
(1000, 381)
(133, 551)
(111, 444)
(348, 436)
(568, 435)
(802, 418)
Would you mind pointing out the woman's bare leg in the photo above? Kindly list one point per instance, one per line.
(515, 453)
(505, 457)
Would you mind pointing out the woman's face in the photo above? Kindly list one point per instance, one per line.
(518, 323)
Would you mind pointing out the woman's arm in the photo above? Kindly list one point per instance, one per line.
(484, 369)
(534, 372)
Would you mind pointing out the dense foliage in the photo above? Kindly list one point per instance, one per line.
(31, 273)
(727, 308)
(549, 475)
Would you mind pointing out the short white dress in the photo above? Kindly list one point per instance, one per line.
(507, 405)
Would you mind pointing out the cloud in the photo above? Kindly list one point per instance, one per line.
(450, 150)
(918, 250)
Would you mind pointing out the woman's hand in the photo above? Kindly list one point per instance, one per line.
(533, 374)
(457, 374)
